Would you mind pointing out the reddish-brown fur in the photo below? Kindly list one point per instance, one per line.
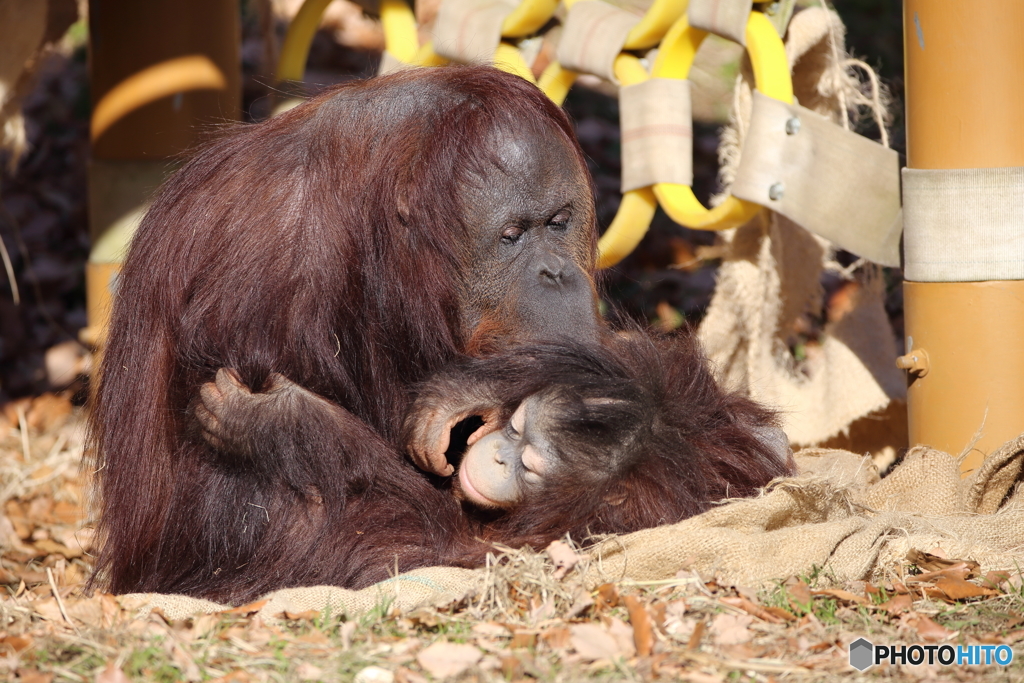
(643, 436)
(690, 443)
(328, 245)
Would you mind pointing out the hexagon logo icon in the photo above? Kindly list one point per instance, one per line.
(862, 654)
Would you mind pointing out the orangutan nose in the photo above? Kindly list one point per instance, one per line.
(551, 269)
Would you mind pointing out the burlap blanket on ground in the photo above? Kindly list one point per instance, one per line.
(836, 517)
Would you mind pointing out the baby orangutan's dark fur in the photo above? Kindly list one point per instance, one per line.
(644, 436)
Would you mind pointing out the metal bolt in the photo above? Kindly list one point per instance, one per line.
(793, 126)
(773, 9)
(775, 191)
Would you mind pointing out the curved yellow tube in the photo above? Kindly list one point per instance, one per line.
(628, 227)
(655, 23)
(556, 82)
(771, 75)
(636, 211)
(528, 17)
(399, 24)
(509, 58)
(292, 63)
(193, 72)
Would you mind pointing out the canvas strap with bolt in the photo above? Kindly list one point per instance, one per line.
(832, 182)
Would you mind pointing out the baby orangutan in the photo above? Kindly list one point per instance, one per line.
(565, 422)
(577, 439)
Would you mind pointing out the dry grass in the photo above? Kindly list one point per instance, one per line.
(527, 620)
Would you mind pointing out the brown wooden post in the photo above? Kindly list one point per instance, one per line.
(133, 152)
(965, 110)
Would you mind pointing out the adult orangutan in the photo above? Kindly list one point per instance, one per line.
(355, 245)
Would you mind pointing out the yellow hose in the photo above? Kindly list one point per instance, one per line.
(771, 75)
(292, 63)
(193, 72)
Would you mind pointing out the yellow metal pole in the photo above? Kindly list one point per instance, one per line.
(163, 73)
(964, 94)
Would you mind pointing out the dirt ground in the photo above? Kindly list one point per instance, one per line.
(528, 620)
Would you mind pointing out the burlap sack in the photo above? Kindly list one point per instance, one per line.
(771, 276)
(836, 517)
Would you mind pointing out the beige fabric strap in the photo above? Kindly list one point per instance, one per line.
(727, 18)
(831, 181)
(657, 135)
(593, 37)
(469, 30)
(964, 225)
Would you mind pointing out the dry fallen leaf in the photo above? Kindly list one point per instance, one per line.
(308, 615)
(523, 638)
(404, 675)
(961, 571)
(750, 608)
(374, 674)
(931, 631)
(112, 674)
(490, 629)
(840, 594)
(33, 676)
(607, 596)
(995, 578)
(897, 604)
(799, 593)
(236, 676)
(563, 557)
(445, 660)
(781, 613)
(89, 611)
(308, 672)
(731, 629)
(48, 412)
(931, 562)
(246, 609)
(593, 642)
(623, 635)
(580, 604)
(16, 643)
(643, 630)
(957, 589)
(557, 638)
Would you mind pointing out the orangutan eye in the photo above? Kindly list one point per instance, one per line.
(511, 234)
(532, 478)
(560, 219)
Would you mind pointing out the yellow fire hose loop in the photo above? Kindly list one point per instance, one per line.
(509, 58)
(171, 77)
(400, 34)
(638, 206)
(771, 77)
(528, 18)
(292, 63)
(556, 82)
(636, 211)
(655, 24)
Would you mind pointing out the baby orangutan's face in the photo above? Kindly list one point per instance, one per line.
(502, 467)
